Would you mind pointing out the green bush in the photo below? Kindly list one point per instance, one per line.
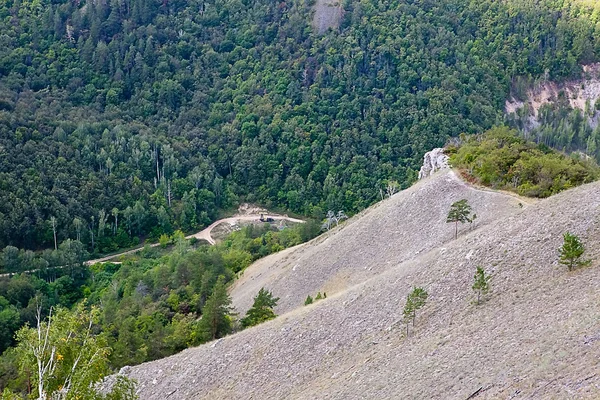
(502, 160)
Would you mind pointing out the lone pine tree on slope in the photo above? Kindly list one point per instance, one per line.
(571, 252)
(460, 211)
(415, 300)
(261, 310)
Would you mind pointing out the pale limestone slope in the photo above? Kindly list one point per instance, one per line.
(538, 335)
(408, 224)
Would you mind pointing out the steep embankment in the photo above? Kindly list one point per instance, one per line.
(538, 335)
(396, 230)
(582, 94)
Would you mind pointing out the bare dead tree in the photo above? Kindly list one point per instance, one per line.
(341, 215)
(391, 188)
(53, 222)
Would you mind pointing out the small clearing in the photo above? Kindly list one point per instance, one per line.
(328, 14)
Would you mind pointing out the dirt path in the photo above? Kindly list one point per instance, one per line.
(204, 234)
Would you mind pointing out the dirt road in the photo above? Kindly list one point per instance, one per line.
(205, 234)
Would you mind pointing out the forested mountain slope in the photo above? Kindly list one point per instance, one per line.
(536, 335)
(161, 113)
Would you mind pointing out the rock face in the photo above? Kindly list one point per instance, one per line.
(433, 161)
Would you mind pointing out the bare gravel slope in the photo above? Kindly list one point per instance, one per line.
(537, 336)
(328, 14)
(398, 229)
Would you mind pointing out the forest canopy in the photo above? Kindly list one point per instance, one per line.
(126, 119)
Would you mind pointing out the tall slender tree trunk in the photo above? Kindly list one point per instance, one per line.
(53, 221)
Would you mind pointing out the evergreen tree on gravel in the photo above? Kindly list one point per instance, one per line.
(571, 252)
(262, 309)
(481, 283)
(309, 300)
(415, 300)
(460, 211)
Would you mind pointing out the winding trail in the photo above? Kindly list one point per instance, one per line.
(204, 234)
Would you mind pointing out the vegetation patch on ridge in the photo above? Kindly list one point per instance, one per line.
(501, 160)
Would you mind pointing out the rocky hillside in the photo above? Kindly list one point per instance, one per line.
(398, 229)
(537, 336)
(577, 94)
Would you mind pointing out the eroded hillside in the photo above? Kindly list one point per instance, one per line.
(537, 336)
(577, 94)
(398, 229)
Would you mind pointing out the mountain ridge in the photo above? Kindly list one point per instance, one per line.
(351, 345)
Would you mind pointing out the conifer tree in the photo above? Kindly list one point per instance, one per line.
(415, 300)
(261, 310)
(216, 319)
(309, 300)
(571, 252)
(481, 283)
(460, 211)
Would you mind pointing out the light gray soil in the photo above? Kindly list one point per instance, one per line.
(410, 223)
(328, 14)
(536, 337)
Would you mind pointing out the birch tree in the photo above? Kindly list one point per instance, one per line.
(115, 214)
(78, 223)
(67, 359)
(53, 223)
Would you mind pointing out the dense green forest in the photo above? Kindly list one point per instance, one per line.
(502, 160)
(125, 119)
(149, 306)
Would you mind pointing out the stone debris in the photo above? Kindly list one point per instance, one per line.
(539, 324)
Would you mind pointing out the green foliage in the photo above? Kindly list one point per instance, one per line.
(502, 160)
(571, 252)
(319, 296)
(415, 300)
(152, 304)
(216, 314)
(261, 310)
(166, 114)
(481, 283)
(65, 358)
(10, 321)
(460, 211)
(164, 240)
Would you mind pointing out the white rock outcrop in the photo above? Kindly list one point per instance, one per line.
(433, 161)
